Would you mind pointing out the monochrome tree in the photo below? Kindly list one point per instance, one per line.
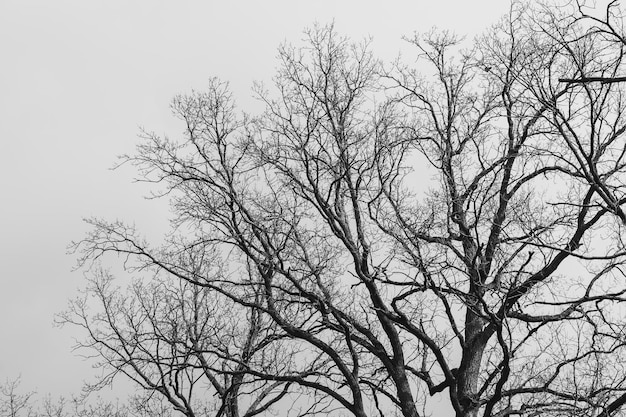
(16, 402)
(453, 226)
(178, 341)
(608, 24)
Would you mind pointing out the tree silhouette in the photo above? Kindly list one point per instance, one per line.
(410, 231)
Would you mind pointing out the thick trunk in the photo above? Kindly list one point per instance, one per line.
(469, 370)
(231, 402)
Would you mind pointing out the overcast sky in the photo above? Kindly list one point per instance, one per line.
(77, 81)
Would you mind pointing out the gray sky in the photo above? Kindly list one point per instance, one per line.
(77, 80)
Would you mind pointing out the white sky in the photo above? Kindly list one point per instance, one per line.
(77, 80)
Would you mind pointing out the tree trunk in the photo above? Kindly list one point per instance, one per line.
(469, 370)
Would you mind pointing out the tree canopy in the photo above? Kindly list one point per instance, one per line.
(384, 234)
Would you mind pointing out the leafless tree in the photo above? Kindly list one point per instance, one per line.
(453, 226)
(603, 23)
(594, 47)
(178, 341)
(14, 402)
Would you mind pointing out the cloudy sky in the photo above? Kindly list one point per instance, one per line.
(77, 81)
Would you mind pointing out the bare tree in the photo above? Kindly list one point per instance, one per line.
(13, 403)
(594, 49)
(452, 226)
(605, 25)
(178, 341)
